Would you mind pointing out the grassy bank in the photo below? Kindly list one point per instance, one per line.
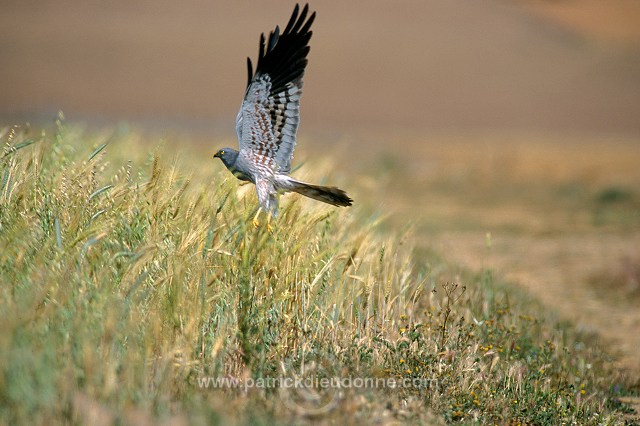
(131, 274)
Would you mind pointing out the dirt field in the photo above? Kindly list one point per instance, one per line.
(434, 65)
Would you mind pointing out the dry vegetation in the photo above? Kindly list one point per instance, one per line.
(129, 274)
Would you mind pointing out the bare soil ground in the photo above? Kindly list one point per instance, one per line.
(421, 65)
(610, 22)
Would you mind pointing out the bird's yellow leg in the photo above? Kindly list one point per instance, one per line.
(255, 218)
(269, 227)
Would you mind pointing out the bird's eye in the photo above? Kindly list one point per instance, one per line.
(222, 152)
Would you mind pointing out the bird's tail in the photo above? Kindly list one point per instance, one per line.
(326, 194)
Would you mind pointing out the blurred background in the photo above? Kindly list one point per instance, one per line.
(556, 65)
(506, 131)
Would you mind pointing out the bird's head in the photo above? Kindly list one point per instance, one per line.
(227, 155)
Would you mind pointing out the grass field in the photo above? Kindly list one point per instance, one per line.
(132, 274)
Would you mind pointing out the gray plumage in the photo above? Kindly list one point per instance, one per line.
(268, 119)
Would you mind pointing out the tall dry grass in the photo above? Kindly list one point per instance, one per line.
(129, 273)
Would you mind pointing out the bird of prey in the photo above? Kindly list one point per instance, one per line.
(269, 116)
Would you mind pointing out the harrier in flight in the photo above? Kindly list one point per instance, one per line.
(269, 116)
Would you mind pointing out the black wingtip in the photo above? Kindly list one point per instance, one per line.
(283, 55)
(307, 26)
(249, 71)
(300, 21)
(261, 52)
(293, 18)
(273, 38)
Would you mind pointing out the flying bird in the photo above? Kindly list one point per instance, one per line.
(268, 119)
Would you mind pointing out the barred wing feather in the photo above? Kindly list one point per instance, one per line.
(270, 113)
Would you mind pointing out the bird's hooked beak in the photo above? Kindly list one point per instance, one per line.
(216, 155)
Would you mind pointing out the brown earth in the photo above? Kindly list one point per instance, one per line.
(421, 65)
(613, 21)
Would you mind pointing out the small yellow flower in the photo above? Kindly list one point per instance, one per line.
(582, 391)
(401, 360)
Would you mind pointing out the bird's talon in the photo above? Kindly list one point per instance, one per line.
(256, 224)
(269, 228)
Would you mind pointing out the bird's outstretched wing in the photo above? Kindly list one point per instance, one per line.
(269, 116)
